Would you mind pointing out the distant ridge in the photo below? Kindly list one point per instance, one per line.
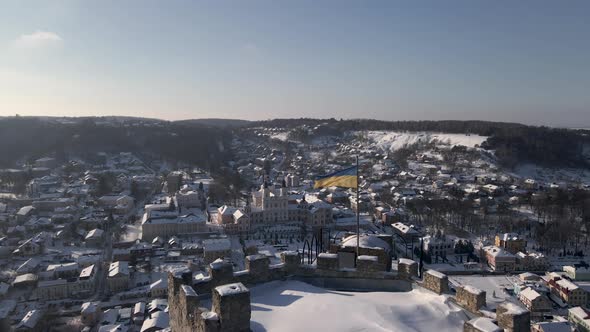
(215, 122)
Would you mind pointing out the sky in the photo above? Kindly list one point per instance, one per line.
(522, 61)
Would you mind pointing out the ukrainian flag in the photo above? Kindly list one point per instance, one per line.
(345, 178)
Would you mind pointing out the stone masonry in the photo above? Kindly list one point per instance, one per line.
(183, 301)
(291, 261)
(230, 308)
(513, 318)
(369, 264)
(184, 290)
(471, 298)
(231, 303)
(258, 266)
(221, 272)
(436, 282)
(407, 268)
(327, 261)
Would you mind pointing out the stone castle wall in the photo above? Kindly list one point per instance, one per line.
(436, 282)
(513, 318)
(231, 306)
(471, 298)
(407, 269)
(183, 291)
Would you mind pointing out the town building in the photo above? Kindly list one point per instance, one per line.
(551, 327)
(273, 206)
(566, 290)
(187, 199)
(535, 302)
(214, 249)
(439, 245)
(118, 276)
(510, 242)
(498, 259)
(580, 318)
(406, 232)
(233, 220)
(577, 272)
(155, 224)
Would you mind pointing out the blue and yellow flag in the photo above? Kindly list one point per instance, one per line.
(345, 178)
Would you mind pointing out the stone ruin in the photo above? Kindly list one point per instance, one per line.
(407, 269)
(471, 298)
(230, 308)
(510, 317)
(513, 318)
(436, 282)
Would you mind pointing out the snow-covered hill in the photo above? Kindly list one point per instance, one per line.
(391, 140)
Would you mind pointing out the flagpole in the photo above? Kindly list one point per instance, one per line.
(358, 201)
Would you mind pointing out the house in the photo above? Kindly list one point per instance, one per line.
(87, 280)
(531, 261)
(499, 259)
(337, 197)
(24, 213)
(407, 232)
(186, 199)
(406, 193)
(168, 223)
(31, 322)
(551, 327)
(216, 248)
(118, 276)
(510, 242)
(139, 313)
(439, 245)
(28, 280)
(64, 271)
(536, 303)
(159, 288)
(380, 211)
(28, 248)
(580, 319)
(49, 205)
(58, 289)
(90, 313)
(232, 220)
(567, 291)
(157, 322)
(120, 204)
(95, 238)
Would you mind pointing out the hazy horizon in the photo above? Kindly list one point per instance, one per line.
(524, 62)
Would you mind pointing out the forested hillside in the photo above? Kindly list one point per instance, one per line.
(513, 143)
(30, 138)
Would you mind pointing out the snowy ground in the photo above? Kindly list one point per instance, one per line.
(493, 286)
(297, 306)
(280, 136)
(391, 140)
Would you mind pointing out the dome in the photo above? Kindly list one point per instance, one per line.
(366, 241)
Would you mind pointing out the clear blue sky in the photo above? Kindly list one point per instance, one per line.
(523, 61)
